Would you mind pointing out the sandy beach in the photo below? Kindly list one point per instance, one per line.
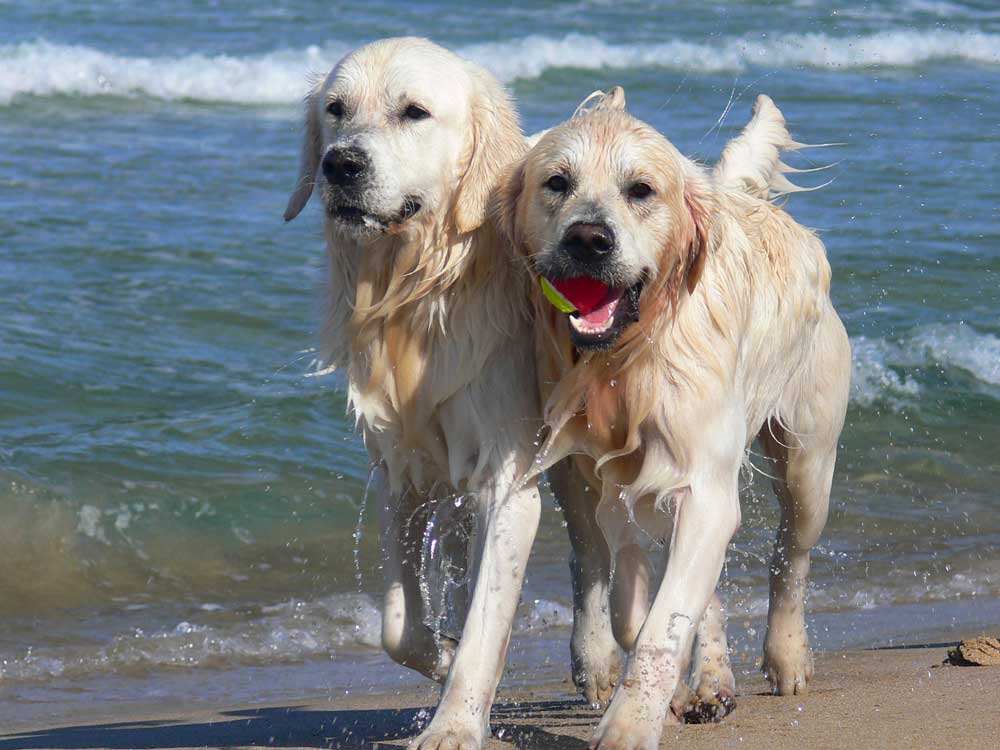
(886, 698)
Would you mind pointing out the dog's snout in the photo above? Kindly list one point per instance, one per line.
(588, 243)
(345, 166)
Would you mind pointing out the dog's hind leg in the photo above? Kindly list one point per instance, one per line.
(804, 455)
(405, 637)
(595, 655)
(803, 489)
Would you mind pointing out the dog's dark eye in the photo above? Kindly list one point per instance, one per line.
(416, 112)
(557, 183)
(640, 190)
(335, 108)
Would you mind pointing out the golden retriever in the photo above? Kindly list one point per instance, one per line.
(428, 312)
(702, 321)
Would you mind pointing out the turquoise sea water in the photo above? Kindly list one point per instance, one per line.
(182, 504)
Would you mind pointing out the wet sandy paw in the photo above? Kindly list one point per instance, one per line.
(447, 735)
(702, 708)
(631, 723)
(788, 663)
(595, 675)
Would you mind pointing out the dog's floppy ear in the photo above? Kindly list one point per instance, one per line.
(503, 208)
(700, 203)
(309, 160)
(496, 142)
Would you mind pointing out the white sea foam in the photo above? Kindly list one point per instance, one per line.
(960, 346)
(44, 69)
(898, 589)
(890, 370)
(543, 614)
(288, 632)
(873, 379)
(904, 589)
(90, 523)
(279, 77)
(342, 624)
(532, 56)
(896, 11)
(285, 633)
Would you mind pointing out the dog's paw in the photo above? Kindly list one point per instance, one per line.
(596, 668)
(633, 721)
(702, 707)
(788, 663)
(448, 734)
(596, 687)
(714, 696)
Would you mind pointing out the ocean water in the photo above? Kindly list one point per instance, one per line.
(182, 500)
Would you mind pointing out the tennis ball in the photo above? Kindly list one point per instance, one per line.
(558, 300)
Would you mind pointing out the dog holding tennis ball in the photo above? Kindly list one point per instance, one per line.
(689, 317)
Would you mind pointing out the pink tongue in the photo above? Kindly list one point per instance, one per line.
(585, 293)
(602, 314)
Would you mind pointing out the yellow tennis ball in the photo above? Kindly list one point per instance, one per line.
(552, 295)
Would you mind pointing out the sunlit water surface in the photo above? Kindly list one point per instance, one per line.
(179, 500)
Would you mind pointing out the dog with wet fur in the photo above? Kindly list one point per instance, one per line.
(427, 311)
(694, 317)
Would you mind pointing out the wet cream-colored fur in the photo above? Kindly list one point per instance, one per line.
(736, 339)
(428, 315)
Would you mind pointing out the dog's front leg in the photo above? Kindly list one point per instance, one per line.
(706, 517)
(461, 722)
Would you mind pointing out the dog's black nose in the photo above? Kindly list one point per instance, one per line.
(588, 243)
(345, 166)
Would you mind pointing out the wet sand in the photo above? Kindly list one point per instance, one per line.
(886, 698)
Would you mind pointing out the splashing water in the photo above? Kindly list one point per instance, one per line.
(449, 544)
(359, 527)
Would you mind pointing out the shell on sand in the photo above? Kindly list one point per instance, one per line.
(982, 651)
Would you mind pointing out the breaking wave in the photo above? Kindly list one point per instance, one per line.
(894, 371)
(340, 624)
(868, 595)
(289, 632)
(279, 77)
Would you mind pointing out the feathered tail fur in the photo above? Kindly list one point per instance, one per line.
(751, 162)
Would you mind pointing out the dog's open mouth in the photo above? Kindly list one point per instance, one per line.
(357, 216)
(598, 313)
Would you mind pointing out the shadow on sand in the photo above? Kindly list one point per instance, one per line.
(296, 726)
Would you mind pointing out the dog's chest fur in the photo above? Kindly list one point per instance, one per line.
(437, 357)
(712, 373)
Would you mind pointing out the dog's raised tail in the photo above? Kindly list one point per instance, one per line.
(751, 161)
